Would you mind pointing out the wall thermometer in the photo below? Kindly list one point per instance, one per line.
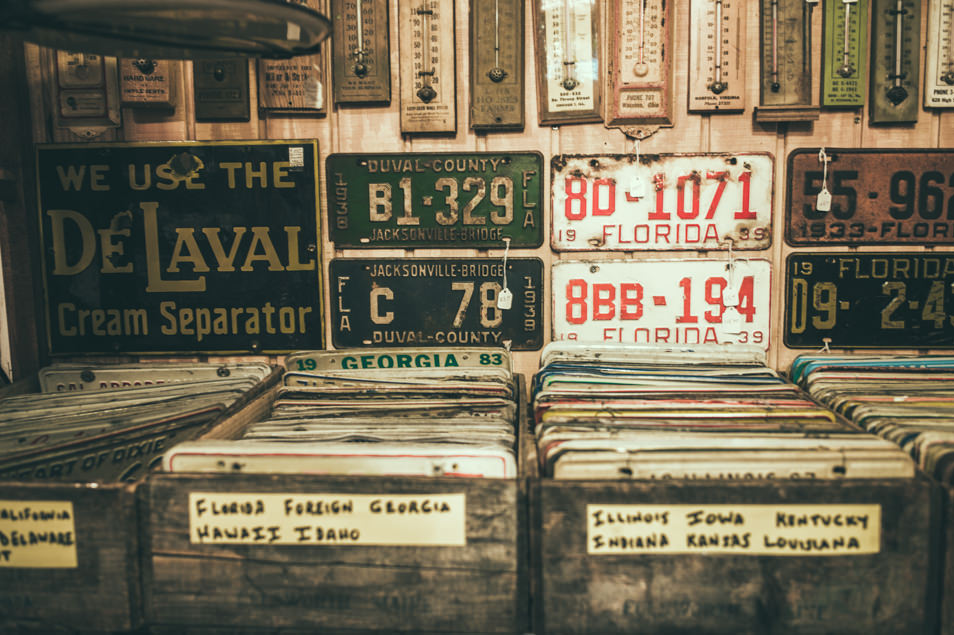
(895, 60)
(361, 65)
(786, 68)
(716, 55)
(639, 66)
(427, 66)
(939, 65)
(845, 54)
(496, 64)
(567, 55)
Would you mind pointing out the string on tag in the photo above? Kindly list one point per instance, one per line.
(823, 200)
(825, 349)
(637, 187)
(505, 297)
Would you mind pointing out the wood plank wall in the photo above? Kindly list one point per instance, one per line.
(377, 129)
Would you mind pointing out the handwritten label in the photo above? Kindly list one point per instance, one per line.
(756, 530)
(37, 534)
(328, 519)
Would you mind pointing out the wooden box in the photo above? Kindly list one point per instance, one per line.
(479, 586)
(94, 583)
(581, 585)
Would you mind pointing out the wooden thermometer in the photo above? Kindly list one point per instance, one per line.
(146, 83)
(496, 64)
(786, 66)
(939, 64)
(427, 66)
(87, 93)
(567, 56)
(845, 55)
(297, 84)
(717, 55)
(895, 60)
(361, 71)
(639, 69)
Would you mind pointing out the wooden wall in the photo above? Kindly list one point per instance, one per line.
(377, 129)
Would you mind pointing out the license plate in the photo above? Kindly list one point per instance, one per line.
(666, 202)
(878, 197)
(436, 302)
(435, 200)
(662, 301)
(885, 300)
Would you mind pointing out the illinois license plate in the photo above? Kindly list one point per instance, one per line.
(885, 300)
(437, 302)
(435, 200)
(668, 201)
(662, 301)
(878, 197)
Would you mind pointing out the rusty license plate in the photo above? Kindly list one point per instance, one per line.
(662, 301)
(661, 202)
(878, 197)
(871, 300)
(436, 302)
(410, 200)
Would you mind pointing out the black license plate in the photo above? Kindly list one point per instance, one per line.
(410, 200)
(436, 302)
(878, 197)
(879, 300)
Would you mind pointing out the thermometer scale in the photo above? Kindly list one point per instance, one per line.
(786, 66)
(427, 66)
(845, 55)
(939, 64)
(361, 70)
(639, 74)
(895, 61)
(717, 66)
(496, 65)
(567, 56)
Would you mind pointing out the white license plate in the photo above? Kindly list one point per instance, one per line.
(662, 301)
(665, 202)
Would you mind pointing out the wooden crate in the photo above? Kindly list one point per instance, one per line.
(478, 587)
(102, 591)
(891, 591)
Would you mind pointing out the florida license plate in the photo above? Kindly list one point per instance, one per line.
(437, 302)
(871, 300)
(664, 202)
(662, 301)
(878, 197)
(410, 200)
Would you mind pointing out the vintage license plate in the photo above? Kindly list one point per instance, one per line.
(662, 301)
(668, 201)
(409, 357)
(436, 302)
(878, 197)
(435, 200)
(880, 300)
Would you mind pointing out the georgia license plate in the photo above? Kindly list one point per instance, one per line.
(662, 301)
(667, 201)
(473, 199)
(882, 300)
(878, 197)
(436, 302)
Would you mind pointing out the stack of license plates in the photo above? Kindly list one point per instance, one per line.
(411, 412)
(906, 399)
(112, 422)
(700, 412)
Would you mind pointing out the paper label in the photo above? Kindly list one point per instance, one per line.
(37, 535)
(756, 530)
(328, 519)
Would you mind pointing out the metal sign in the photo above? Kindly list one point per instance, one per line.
(865, 300)
(180, 246)
(221, 89)
(361, 57)
(656, 202)
(878, 197)
(437, 302)
(662, 301)
(435, 200)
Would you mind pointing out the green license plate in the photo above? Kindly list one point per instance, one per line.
(467, 200)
